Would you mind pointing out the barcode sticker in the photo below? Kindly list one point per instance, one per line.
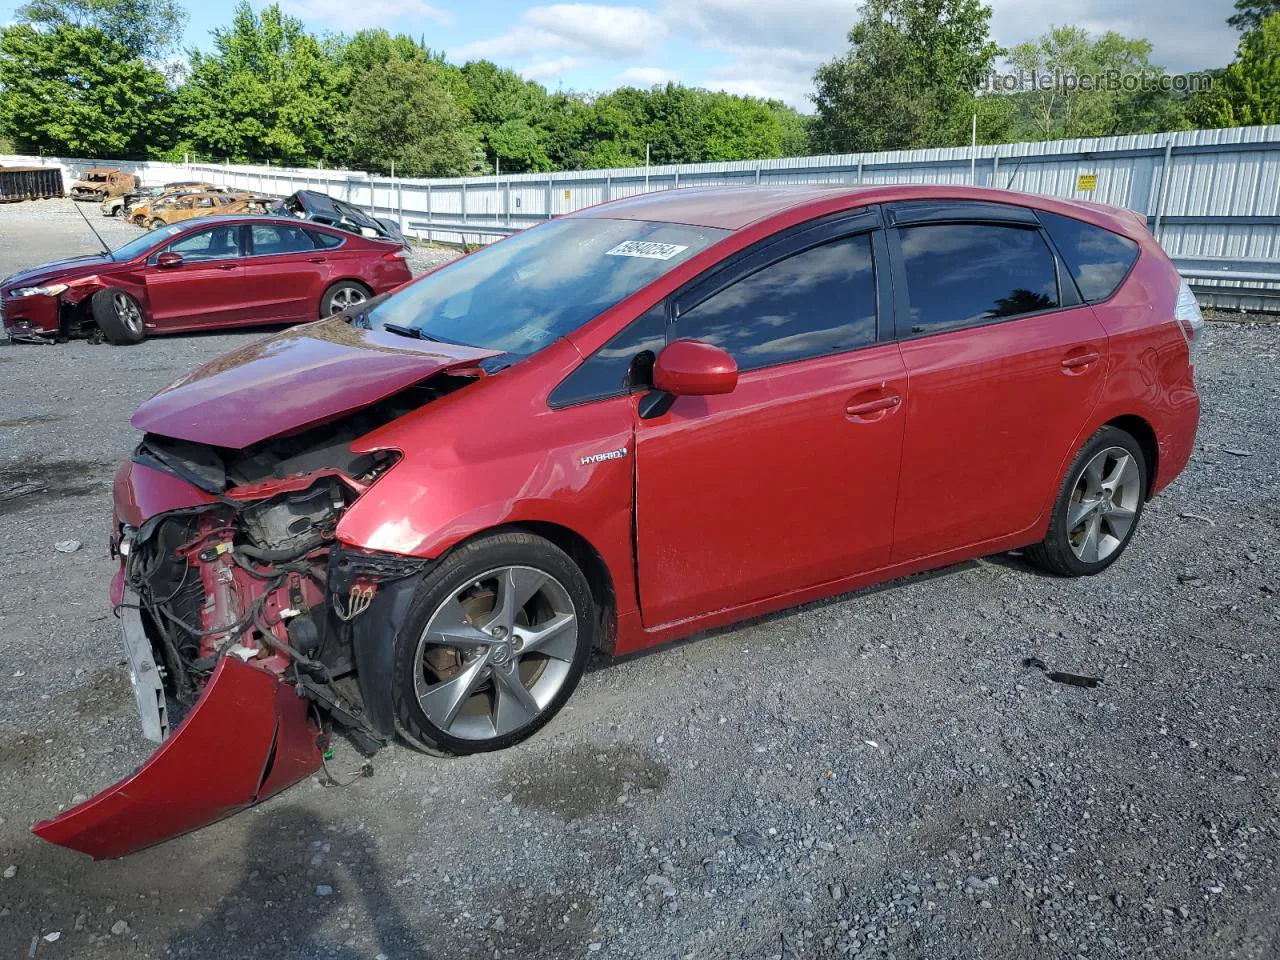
(646, 249)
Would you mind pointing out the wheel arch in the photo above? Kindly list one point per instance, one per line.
(589, 560)
(1145, 436)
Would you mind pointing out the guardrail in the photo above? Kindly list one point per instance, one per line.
(1234, 277)
(458, 231)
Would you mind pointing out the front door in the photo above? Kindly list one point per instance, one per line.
(207, 287)
(789, 481)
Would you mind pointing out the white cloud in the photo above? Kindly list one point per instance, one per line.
(590, 29)
(346, 15)
(646, 77)
(550, 69)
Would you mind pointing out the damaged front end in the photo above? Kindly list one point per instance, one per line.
(247, 625)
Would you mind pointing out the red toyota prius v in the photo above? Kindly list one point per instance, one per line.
(652, 417)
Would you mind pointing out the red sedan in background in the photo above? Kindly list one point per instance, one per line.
(643, 420)
(203, 274)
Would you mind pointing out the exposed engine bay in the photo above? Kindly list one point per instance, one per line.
(258, 574)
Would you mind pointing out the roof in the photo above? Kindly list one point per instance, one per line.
(728, 208)
(732, 208)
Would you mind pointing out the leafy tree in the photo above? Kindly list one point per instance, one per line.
(402, 113)
(1247, 92)
(908, 78)
(1056, 110)
(508, 112)
(1250, 14)
(267, 92)
(75, 91)
(145, 28)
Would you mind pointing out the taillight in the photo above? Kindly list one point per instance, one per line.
(1187, 313)
(396, 255)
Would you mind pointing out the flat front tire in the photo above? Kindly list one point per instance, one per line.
(494, 644)
(1097, 508)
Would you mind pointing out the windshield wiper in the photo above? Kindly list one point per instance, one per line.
(406, 331)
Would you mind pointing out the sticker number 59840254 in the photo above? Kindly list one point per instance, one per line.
(647, 249)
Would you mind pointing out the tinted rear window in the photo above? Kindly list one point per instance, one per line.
(1098, 259)
(960, 274)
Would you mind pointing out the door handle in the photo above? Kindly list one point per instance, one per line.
(315, 259)
(1075, 361)
(868, 407)
(227, 266)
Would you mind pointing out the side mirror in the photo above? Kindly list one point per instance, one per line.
(692, 368)
(169, 260)
(687, 368)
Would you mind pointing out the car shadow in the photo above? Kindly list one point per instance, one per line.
(602, 661)
(311, 888)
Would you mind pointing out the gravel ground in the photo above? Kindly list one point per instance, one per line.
(876, 775)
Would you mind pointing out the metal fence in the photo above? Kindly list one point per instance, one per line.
(1206, 194)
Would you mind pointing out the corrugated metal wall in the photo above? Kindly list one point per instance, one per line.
(1204, 192)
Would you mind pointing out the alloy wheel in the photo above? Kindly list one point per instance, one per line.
(345, 297)
(128, 311)
(494, 655)
(1104, 504)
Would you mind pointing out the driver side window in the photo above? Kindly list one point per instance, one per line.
(216, 243)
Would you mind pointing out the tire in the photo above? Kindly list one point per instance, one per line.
(343, 295)
(155, 223)
(1097, 508)
(474, 705)
(118, 315)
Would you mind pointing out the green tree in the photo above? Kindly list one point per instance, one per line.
(1073, 104)
(402, 113)
(1247, 92)
(75, 91)
(1250, 14)
(908, 79)
(145, 28)
(268, 91)
(508, 112)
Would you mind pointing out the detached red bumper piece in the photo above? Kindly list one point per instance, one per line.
(247, 738)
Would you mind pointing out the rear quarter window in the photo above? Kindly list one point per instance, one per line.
(1098, 259)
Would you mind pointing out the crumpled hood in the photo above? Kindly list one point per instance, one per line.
(60, 271)
(296, 379)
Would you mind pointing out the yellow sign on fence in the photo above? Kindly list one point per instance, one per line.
(1087, 181)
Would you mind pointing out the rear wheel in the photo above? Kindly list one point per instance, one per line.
(342, 296)
(118, 315)
(1098, 507)
(154, 223)
(493, 646)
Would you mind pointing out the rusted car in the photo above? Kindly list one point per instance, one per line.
(185, 206)
(256, 203)
(102, 182)
(125, 204)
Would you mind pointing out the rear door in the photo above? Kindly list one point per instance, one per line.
(1006, 364)
(285, 273)
(789, 481)
(207, 288)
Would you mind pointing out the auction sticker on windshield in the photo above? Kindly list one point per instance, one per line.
(647, 249)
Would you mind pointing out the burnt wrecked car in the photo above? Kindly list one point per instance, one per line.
(646, 419)
(99, 183)
(322, 208)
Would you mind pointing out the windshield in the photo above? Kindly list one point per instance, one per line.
(521, 294)
(140, 245)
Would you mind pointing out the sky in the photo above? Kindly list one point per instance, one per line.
(766, 48)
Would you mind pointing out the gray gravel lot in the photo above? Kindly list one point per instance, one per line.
(876, 775)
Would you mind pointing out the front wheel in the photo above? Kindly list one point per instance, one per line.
(155, 223)
(494, 643)
(118, 315)
(1098, 507)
